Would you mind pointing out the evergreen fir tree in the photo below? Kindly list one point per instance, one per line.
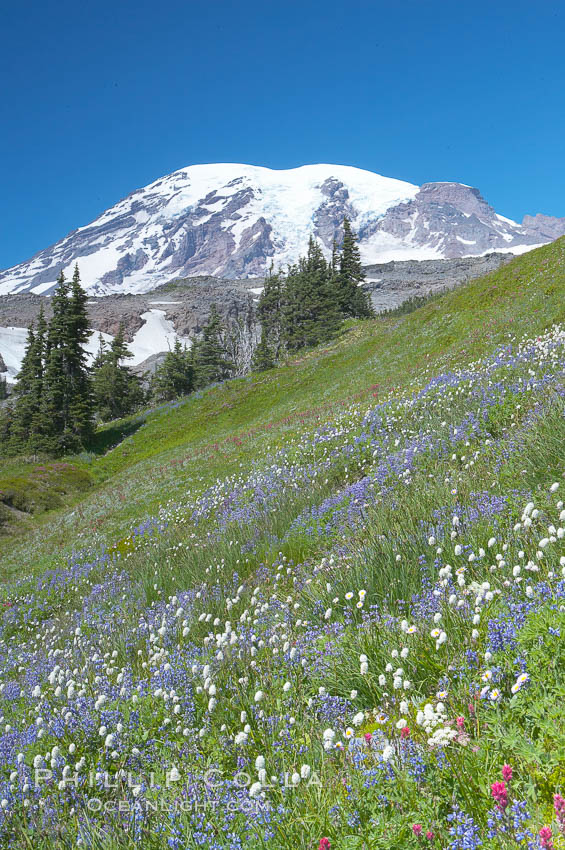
(78, 316)
(81, 408)
(27, 424)
(25, 392)
(67, 405)
(334, 262)
(55, 403)
(353, 300)
(38, 426)
(3, 388)
(269, 310)
(116, 390)
(210, 358)
(175, 376)
(100, 355)
(310, 312)
(263, 357)
(24, 379)
(6, 422)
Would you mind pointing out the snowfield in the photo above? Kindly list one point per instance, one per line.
(12, 349)
(156, 335)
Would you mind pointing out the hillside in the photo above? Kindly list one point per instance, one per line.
(321, 602)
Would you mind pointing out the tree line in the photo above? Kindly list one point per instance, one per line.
(58, 398)
(306, 305)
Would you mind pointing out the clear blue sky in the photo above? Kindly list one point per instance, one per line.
(101, 98)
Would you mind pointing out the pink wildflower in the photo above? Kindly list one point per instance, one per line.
(417, 829)
(507, 772)
(546, 836)
(460, 722)
(368, 737)
(429, 835)
(405, 732)
(499, 794)
(559, 806)
(324, 844)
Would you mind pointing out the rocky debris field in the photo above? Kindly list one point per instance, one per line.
(186, 302)
(392, 283)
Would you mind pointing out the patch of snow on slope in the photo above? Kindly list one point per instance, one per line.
(384, 247)
(507, 220)
(12, 349)
(94, 266)
(512, 249)
(157, 334)
(42, 287)
(13, 345)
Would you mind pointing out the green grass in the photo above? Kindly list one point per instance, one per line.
(31, 489)
(212, 432)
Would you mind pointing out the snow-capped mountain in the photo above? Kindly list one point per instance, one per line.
(234, 221)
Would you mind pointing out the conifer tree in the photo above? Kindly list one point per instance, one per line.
(263, 357)
(38, 426)
(67, 404)
(6, 422)
(328, 319)
(334, 262)
(116, 390)
(269, 310)
(353, 300)
(310, 312)
(78, 317)
(3, 388)
(210, 359)
(27, 427)
(81, 408)
(26, 420)
(55, 401)
(175, 376)
(100, 355)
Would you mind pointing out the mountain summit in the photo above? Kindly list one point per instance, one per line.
(234, 221)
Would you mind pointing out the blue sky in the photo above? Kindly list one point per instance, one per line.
(99, 99)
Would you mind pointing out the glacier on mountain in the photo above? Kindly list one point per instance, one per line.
(236, 221)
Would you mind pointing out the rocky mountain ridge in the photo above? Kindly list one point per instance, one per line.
(234, 221)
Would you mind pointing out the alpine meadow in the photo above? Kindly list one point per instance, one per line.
(315, 603)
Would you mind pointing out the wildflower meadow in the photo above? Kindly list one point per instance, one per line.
(338, 628)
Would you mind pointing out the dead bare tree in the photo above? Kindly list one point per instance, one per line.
(241, 339)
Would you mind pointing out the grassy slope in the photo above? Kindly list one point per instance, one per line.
(525, 296)
(498, 445)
